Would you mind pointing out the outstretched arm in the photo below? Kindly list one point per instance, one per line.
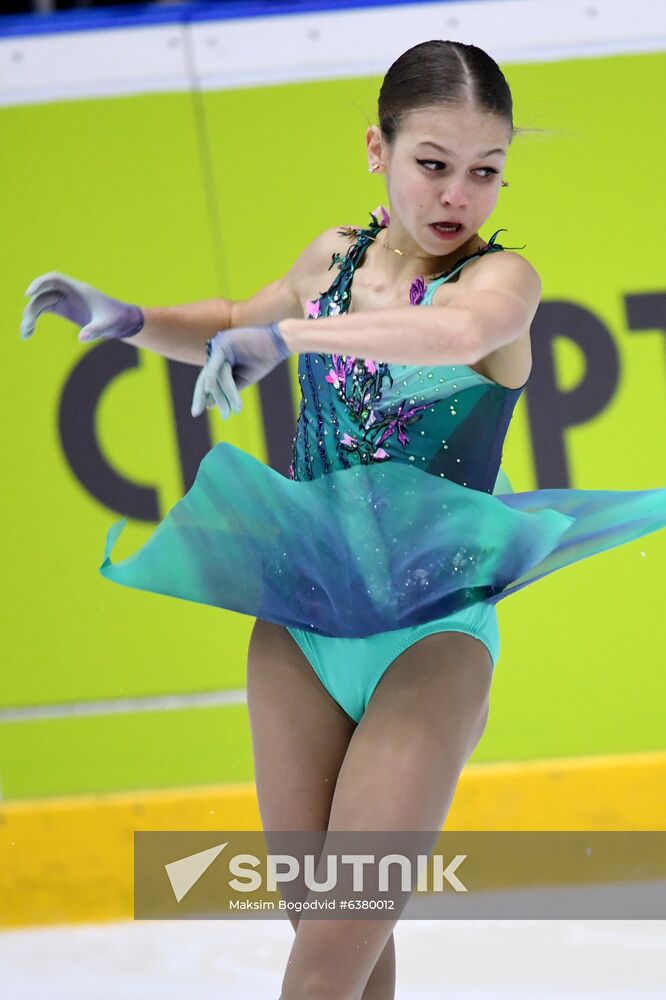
(181, 332)
(176, 332)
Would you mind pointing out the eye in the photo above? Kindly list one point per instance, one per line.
(429, 164)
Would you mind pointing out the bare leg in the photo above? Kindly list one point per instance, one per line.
(299, 737)
(400, 773)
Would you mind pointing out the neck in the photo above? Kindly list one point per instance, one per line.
(413, 262)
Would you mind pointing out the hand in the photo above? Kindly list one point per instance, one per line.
(99, 316)
(237, 357)
(216, 390)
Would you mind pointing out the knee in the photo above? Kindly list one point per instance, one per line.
(313, 987)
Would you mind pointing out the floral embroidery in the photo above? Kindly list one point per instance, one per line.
(359, 382)
(381, 216)
(399, 420)
(417, 291)
(362, 397)
(353, 445)
(339, 371)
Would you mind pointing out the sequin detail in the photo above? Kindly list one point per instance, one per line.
(367, 545)
(372, 411)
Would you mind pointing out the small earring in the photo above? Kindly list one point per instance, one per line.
(372, 169)
(505, 184)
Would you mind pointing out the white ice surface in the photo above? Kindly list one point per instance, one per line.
(239, 959)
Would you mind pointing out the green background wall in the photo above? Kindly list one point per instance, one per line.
(155, 204)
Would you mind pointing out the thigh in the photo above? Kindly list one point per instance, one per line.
(400, 773)
(299, 734)
(425, 717)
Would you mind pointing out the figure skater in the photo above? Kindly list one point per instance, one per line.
(374, 567)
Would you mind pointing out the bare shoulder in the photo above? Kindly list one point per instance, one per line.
(309, 271)
(286, 297)
(506, 271)
(510, 274)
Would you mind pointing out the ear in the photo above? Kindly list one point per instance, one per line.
(373, 141)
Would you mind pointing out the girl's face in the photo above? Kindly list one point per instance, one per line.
(445, 164)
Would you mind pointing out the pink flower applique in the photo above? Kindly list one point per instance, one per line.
(417, 291)
(337, 375)
(313, 307)
(380, 453)
(381, 215)
(350, 442)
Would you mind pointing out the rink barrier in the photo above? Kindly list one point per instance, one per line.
(70, 860)
(83, 54)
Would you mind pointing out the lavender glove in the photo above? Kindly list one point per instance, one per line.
(237, 357)
(99, 316)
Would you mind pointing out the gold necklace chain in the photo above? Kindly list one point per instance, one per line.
(395, 249)
(355, 230)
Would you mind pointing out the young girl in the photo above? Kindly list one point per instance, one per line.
(373, 570)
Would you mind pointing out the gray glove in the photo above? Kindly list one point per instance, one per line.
(237, 357)
(99, 316)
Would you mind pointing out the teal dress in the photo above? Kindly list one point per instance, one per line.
(395, 520)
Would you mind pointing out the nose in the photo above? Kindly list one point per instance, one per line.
(454, 193)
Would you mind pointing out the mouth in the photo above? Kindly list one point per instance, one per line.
(446, 230)
(448, 227)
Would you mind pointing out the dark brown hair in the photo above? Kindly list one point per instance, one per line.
(442, 72)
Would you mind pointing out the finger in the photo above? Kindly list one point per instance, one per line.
(199, 395)
(90, 332)
(52, 281)
(228, 385)
(240, 382)
(37, 305)
(210, 379)
(221, 401)
(42, 278)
